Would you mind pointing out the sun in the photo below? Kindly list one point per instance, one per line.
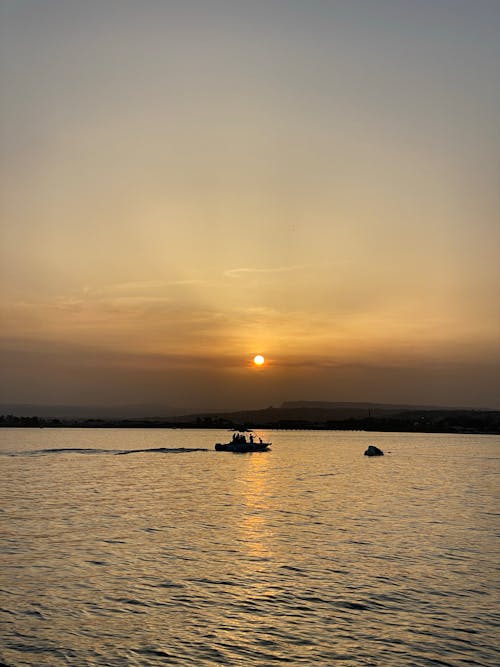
(258, 360)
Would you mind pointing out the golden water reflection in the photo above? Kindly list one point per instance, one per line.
(255, 491)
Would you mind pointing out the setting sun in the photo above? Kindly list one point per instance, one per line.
(258, 360)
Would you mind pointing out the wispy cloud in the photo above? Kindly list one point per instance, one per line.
(136, 287)
(237, 273)
(186, 282)
(125, 287)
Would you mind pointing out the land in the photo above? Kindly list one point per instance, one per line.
(298, 415)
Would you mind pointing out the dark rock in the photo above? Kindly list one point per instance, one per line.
(374, 451)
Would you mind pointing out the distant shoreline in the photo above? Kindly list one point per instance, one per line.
(469, 422)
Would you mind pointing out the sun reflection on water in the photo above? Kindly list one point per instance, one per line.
(253, 526)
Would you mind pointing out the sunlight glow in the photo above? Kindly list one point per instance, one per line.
(258, 360)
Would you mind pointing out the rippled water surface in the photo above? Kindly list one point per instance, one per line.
(311, 554)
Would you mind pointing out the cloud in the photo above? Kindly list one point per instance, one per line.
(76, 354)
(132, 286)
(186, 282)
(237, 273)
(135, 287)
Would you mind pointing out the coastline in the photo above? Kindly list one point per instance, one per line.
(459, 422)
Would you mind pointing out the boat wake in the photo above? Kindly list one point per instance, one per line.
(112, 452)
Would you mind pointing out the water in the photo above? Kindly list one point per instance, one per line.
(310, 554)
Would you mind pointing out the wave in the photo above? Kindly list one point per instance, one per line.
(88, 450)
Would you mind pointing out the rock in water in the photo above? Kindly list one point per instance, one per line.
(374, 451)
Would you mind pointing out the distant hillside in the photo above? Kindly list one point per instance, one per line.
(303, 413)
(339, 405)
(353, 416)
(348, 417)
(275, 415)
(311, 411)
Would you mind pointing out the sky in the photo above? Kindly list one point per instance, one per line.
(188, 183)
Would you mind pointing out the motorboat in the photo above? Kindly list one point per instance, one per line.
(241, 444)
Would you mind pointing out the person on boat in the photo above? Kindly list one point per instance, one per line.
(251, 438)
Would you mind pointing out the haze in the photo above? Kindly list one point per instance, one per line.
(186, 184)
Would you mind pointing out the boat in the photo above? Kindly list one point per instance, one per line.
(241, 445)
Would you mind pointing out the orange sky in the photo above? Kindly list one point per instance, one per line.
(188, 184)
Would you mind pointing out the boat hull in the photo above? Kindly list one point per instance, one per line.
(243, 447)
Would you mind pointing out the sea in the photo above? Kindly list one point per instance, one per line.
(139, 547)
